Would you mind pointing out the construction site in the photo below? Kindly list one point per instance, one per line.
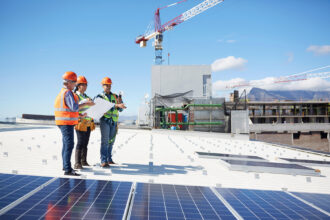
(190, 154)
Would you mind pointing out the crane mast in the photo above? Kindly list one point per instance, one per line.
(160, 29)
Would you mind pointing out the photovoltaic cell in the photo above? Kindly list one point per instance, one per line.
(269, 167)
(229, 156)
(161, 201)
(13, 187)
(320, 200)
(267, 164)
(316, 162)
(74, 199)
(262, 204)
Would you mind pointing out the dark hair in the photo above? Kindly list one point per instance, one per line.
(76, 89)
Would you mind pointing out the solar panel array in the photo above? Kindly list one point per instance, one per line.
(75, 199)
(320, 200)
(160, 201)
(262, 204)
(13, 187)
(268, 164)
(230, 156)
(64, 198)
(316, 162)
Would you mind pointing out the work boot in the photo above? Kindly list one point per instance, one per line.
(105, 165)
(84, 157)
(71, 173)
(78, 165)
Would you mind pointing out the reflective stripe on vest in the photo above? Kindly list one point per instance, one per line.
(111, 113)
(81, 111)
(67, 119)
(63, 114)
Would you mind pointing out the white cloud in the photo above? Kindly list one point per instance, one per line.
(230, 41)
(223, 89)
(290, 57)
(319, 50)
(227, 63)
(224, 85)
(226, 41)
(314, 84)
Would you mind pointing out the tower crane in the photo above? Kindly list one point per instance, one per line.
(157, 34)
(310, 74)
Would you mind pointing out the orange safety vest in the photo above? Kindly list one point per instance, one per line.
(63, 114)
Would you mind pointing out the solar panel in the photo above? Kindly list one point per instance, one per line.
(13, 187)
(229, 156)
(162, 201)
(309, 162)
(262, 204)
(270, 167)
(320, 200)
(75, 199)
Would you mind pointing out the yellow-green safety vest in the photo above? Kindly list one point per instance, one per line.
(114, 114)
(81, 111)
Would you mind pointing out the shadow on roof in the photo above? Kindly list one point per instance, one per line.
(22, 128)
(141, 169)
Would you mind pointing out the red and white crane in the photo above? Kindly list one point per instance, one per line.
(310, 74)
(157, 34)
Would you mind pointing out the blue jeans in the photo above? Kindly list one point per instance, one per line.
(108, 131)
(68, 144)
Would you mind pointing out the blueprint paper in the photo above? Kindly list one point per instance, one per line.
(101, 106)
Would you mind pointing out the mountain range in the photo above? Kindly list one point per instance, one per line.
(257, 94)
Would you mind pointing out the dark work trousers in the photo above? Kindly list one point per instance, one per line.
(83, 139)
(68, 144)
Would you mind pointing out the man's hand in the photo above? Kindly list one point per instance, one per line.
(121, 105)
(90, 103)
(83, 115)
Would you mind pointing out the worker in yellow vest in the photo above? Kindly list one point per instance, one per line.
(108, 123)
(84, 127)
(66, 117)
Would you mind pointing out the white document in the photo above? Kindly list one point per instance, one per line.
(101, 106)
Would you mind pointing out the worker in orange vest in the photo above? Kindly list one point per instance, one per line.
(66, 117)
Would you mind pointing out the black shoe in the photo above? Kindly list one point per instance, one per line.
(72, 169)
(71, 173)
(85, 164)
(111, 162)
(78, 166)
(104, 165)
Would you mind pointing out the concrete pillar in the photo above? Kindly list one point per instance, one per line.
(329, 141)
(263, 109)
(311, 109)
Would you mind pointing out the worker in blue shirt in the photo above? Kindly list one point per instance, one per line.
(66, 117)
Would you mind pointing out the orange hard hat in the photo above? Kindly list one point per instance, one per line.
(81, 79)
(70, 76)
(106, 80)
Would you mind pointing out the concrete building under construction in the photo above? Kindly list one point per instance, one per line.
(182, 99)
(297, 123)
(190, 106)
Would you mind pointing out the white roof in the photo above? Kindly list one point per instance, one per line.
(36, 150)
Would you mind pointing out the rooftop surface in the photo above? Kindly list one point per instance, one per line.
(160, 156)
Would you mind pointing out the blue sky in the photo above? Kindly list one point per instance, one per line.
(41, 39)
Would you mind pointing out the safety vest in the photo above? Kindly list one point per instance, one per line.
(81, 111)
(63, 114)
(111, 113)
